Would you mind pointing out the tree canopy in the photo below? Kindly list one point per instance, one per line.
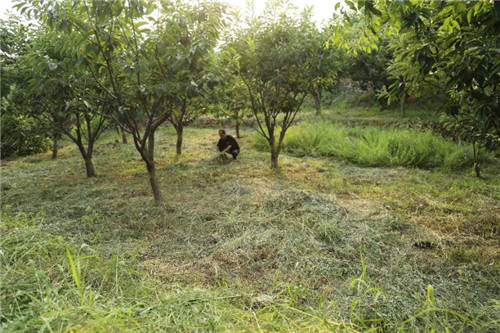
(138, 64)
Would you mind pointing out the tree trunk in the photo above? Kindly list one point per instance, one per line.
(237, 124)
(178, 146)
(237, 128)
(149, 158)
(89, 166)
(274, 152)
(274, 159)
(87, 157)
(154, 182)
(317, 102)
(55, 147)
(402, 105)
(124, 136)
(477, 169)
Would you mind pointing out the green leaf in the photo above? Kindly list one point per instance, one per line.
(455, 24)
(469, 15)
(87, 104)
(52, 66)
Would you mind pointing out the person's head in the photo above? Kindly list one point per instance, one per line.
(222, 133)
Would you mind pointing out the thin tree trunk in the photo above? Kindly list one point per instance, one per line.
(150, 165)
(154, 182)
(237, 127)
(237, 124)
(178, 146)
(274, 153)
(402, 105)
(124, 136)
(87, 158)
(274, 159)
(476, 159)
(55, 148)
(317, 101)
(89, 166)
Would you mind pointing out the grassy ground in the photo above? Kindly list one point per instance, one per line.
(322, 245)
(343, 112)
(345, 105)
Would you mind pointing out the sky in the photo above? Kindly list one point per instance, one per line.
(323, 9)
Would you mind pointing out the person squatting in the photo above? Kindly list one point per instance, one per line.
(227, 144)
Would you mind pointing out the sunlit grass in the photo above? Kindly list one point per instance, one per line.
(237, 247)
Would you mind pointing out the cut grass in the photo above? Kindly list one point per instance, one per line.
(458, 205)
(234, 247)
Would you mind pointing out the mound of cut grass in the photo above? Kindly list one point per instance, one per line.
(307, 253)
(374, 146)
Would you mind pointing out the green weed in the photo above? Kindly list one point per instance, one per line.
(373, 146)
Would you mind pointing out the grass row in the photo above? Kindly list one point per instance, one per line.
(374, 146)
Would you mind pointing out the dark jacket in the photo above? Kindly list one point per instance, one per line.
(228, 141)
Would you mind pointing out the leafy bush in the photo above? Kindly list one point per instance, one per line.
(22, 136)
(373, 146)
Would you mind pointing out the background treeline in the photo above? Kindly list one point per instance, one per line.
(81, 67)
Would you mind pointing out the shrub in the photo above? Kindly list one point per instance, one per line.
(22, 136)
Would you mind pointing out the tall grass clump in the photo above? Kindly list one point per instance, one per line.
(374, 146)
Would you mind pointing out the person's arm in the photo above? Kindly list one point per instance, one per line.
(226, 150)
(231, 143)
